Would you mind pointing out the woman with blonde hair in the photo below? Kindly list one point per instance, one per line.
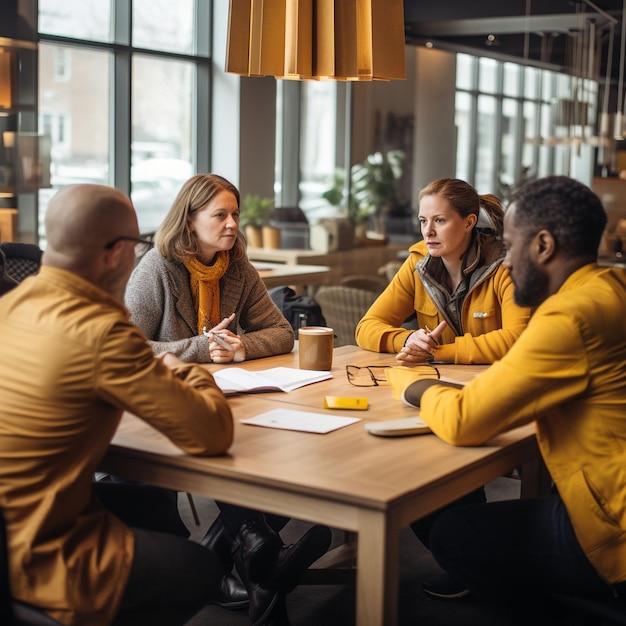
(197, 295)
(198, 278)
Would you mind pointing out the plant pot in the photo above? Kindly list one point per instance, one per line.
(360, 233)
(254, 235)
(271, 237)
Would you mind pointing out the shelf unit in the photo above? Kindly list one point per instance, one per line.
(24, 154)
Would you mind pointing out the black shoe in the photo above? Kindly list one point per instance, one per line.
(258, 546)
(232, 593)
(270, 569)
(294, 559)
(444, 587)
(267, 607)
(263, 600)
(277, 616)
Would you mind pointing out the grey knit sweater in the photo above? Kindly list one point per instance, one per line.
(158, 296)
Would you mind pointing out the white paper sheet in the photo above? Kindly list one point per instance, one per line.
(287, 419)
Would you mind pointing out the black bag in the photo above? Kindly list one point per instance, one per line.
(298, 310)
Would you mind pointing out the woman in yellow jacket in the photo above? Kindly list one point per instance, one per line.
(453, 281)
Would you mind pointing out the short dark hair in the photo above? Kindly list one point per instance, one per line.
(569, 210)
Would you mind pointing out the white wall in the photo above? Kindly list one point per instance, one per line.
(428, 94)
(435, 134)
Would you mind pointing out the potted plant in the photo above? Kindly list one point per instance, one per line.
(372, 188)
(255, 215)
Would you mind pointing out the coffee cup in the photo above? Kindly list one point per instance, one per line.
(315, 347)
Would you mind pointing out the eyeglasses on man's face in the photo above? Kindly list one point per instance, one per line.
(374, 375)
(141, 245)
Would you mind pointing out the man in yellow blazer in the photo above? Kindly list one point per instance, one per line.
(567, 373)
(71, 364)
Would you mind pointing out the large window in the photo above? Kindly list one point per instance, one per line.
(74, 112)
(120, 103)
(317, 147)
(312, 135)
(515, 122)
(161, 135)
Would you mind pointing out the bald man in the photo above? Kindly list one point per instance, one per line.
(71, 364)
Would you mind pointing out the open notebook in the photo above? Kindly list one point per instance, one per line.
(232, 380)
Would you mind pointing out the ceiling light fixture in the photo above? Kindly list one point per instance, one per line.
(362, 40)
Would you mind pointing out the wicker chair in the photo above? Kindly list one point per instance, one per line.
(343, 307)
(368, 282)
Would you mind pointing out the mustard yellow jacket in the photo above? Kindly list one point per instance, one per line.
(70, 364)
(491, 319)
(567, 371)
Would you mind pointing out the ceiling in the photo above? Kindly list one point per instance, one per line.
(547, 33)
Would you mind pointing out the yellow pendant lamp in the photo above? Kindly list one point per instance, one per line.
(317, 39)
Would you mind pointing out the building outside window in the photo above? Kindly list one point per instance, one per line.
(95, 72)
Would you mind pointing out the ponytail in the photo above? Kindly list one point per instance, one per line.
(491, 215)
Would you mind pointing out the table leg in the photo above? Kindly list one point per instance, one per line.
(377, 571)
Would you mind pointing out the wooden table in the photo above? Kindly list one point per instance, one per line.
(299, 276)
(342, 263)
(345, 479)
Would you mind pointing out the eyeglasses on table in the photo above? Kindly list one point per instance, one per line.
(374, 375)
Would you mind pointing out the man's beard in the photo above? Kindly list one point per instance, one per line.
(532, 286)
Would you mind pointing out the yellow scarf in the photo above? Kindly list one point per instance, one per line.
(205, 288)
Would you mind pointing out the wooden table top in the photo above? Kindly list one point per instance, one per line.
(347, 464)
(276, 274)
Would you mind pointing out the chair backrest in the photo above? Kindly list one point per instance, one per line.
(368, 282)
(22, 259)
(343, 307)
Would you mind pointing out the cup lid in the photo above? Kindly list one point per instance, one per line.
(316, 330)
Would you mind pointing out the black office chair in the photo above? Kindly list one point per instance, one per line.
(22, 259)
(12, 612)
